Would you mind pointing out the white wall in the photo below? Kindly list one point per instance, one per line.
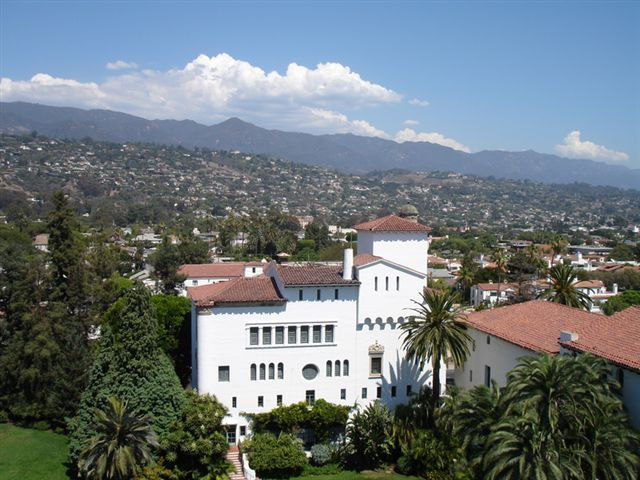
(500, 355)
(405, 248)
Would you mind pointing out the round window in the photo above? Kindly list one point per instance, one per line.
(310, 371)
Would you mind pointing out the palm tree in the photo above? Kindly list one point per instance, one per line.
(558, 245)
(436, 331)
(465, 279)
(500, 259)
(121, 446)
(520, 448)
(563, 290)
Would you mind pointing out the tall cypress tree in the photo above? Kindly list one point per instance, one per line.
(46, 355)
(131, 366)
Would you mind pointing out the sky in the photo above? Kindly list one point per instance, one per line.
(555, 77)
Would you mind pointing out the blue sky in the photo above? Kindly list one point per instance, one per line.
(550, 76)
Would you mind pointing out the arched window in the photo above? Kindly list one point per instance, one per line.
(337, 368)
(254, 372)
(280, 371)
(328, 373)
(263, 371)
(345, 368)
(272, 371)
(386, 283)
(375, 283)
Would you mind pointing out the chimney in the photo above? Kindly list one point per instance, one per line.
(347, 264)
(579, 257)
(568, 336)
(615, 288)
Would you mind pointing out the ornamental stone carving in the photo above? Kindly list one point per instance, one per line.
(376, 348)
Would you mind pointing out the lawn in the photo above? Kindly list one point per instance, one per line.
(350, 475)
(27, 454)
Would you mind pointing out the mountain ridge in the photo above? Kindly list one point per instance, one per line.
(344, 152)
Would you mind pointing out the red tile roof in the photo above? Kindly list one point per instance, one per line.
(589, 284)
(312, 275)
(494, 286)
(534, 325)
(365, 259)
(216, 270)
(259, 289)
(615, 338)
(392, 223)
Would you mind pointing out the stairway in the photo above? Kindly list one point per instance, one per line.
(233, 457)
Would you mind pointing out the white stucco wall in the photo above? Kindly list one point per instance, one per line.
(501, 356)
(405, 248)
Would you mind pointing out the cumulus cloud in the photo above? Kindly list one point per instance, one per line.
(211, 89)
(409, 135)
(574, 147)
(418, 103)
(121, 65)
(411, 123)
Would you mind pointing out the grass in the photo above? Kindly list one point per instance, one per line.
(365, 475)
(27, 454)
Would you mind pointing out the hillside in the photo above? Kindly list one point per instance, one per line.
(344, 152)
(147, 183)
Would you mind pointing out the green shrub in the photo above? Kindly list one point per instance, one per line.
(369, 438)
(320, 454)
(276, 457)
(4, 416)
(196, 445)
(328, 469)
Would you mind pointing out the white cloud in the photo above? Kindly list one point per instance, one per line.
(121, 65)
(574, 147)
(211, 89)
(409, 135)
(419, 103)
(337, 122)
(411, 123)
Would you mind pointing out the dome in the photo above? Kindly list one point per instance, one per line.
(408, 211)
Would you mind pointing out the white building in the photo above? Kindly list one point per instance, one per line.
(492, 293)
(198, 274)
(597, 293)
(502, 335)
(304, 332)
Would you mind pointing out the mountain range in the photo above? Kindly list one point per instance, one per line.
(343, 152)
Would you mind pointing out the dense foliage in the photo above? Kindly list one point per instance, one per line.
(275, 457)
(195, 445)
(324, 419)
(557, 418)
(621, 301)
(45, 350)
(131, 366)
(369, 441)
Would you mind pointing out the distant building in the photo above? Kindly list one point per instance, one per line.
(491, 293)
(199, 274)
(41, 242)
(597, 293)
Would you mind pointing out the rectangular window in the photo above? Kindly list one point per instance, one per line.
(318, 294)
(310, 397)
(471, 375)
(279, 335)
(343, 394)
(223, 374)
(317, 333)
(488, 339)
(397, 283)
(473, 345)
(261, 401)
(375, 284)
(194, 282)
(364, 392)
(487, 376)
(328, 334)
(393, 391)
(291, 335)
(234, 402)
(336, 294)
(279, 400)
(386, 283)
(300, 294)
(266, 335)
(379, 392)
(253, 335)
(376, 366)
(304, 334)
(243, 430)
(409, 390)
